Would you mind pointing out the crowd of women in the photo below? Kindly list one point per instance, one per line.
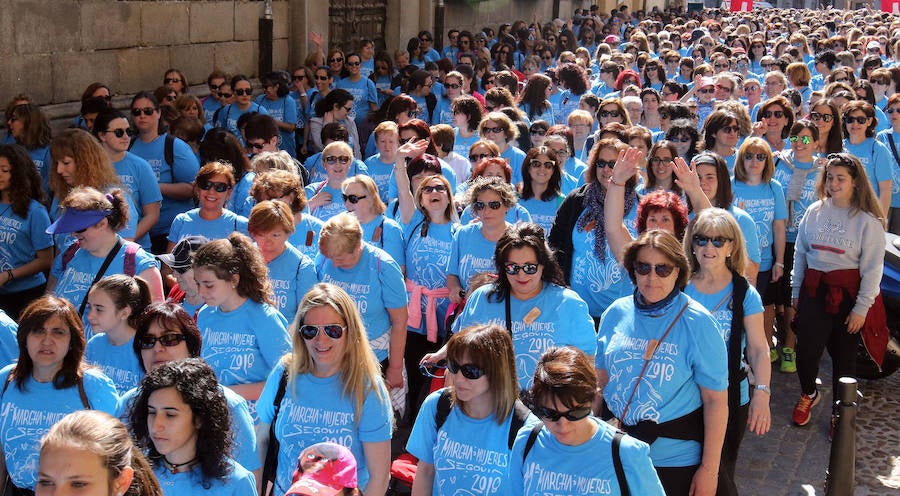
(597, 232)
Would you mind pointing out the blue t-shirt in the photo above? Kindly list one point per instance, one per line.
(9, 345)
(139, 179)
(316, 410)
(30, 412)
(557, 315)
(884, 138)
(719, 304)
(553, 468)
(363, 92)
(542, 212)
(381, 173)
(796, 209)
(244, 344)
(376, 285)
(239, 482)
(330, 209)
(20, 239)
(469, 455)
(461, 144)
(240, 200)
(210, 105)
(386, 234)
(283, 109)
(568, 102)
(191, 224)
(292, 274)
(426, 263)
(514, 157)
(765, 204)
(306, 236)
(184, 169)
(119, 363)
(229, 115)
(877, 160)
(545, 114)
(470, 254)
(691, 356)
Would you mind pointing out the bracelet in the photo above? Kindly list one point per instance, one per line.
(764, 388)
(612, 181)
(778, 264)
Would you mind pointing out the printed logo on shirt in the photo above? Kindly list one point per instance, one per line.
(539, 480)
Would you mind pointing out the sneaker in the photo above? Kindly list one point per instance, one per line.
(801, 410)
(788, 360)
(773, 355)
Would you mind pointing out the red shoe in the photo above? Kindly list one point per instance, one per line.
(804, 405)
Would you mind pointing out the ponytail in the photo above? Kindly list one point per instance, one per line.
(118, 219)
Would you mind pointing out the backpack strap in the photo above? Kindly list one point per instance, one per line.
(617, 463)
(131, 249)
(532, 437)
(735, 369)
(169, 153)
(82, 394)
(893, 147)
(109, 258)
(519, 415)
(443, 409)
(69, 254)
(270, 466)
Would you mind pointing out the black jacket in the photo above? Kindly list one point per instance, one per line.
(560, 238)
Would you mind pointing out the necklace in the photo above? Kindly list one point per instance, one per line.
(173, 467)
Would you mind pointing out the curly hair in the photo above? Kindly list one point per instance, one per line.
(84, 198)
(237, 255)
(31, 320)
(517, 236)
(574, 78)
(275, 183)
(555, 183)
(482, 184)
(171, 317)
(92, 165)
(25, 182)
(198, 387)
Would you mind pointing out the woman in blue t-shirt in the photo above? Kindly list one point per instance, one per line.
(541, 190)
(180, 419)
(213, 187)
(476, 412)
(360, 194)
(30, 129)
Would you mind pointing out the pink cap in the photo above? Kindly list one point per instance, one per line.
(611, 39)
(324, 469)
(707, 81)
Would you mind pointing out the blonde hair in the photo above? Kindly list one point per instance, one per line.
(712, 222)
(340, 234)
(371, 190)
(759, 144)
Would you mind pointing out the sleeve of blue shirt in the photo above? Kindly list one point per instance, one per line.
(265, 410)
(101, 391)
(423, 436)
(393, 286)
(393, 241)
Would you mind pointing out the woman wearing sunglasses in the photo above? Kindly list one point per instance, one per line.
(678, 337)
(211, 219)
(721, 133)
(482, 410)
(333, 391)
(325, 197)
(530, 300)
(114, 132)
(30, 128)
(360, 194)
(541, 191)
(570, 443)
(491, 167)
(714, 246)
(859, 131)
(683, 132)
(773, 122)
(166, 333)
(228, 115)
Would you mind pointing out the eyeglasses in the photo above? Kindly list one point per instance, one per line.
(722, 65)
(603, 114)
(334, 60)
(219, 187)
(752, 87)
(425, 40)
(299, 77)
(256, 146)
(168, 340)
(706, 91)
(547, 57)
(529, 268)
(892, 110)
(479, 205)
(572, 415)
(730, 129)
(725, 88)
(333, 159)
(841, 80)
(660, 160)
(816, 116)
(354, 64)
(682, 139)
(435, 370)
(354, 199)
(803, 139)
(440, 188)
(171, 80)
(701, 240)
(453, 86)
(244, 92)
(348, 109)
(492, 130)
(146, 111)
(322, 78)
(536, 164)
(858, 120)
(602, 164)
(759, 157)
(768, 114)
(538, 132)
(767, 66)
(225, 95)
(118, 133)
(628, 81)
(468, 370)
(213, 87)
(475, 157)
(662, 270)
(333, 331)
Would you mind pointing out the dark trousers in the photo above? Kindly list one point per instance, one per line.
(14, 303)
(818, 331)
(676, 481)
(734, 434)
(417, 346)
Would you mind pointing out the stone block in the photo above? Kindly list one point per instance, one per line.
(164, 23)
(142, 68)
(46, 26)
(29, 74)
(280, 53)
(72, 72)
(211, 22)
(246, 20)
(281, 14)
(110, 25)
(7, 43)
(237, 57)
(196, 61)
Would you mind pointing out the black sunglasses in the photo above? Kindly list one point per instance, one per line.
(479, 205)
(662, 270)
(243, 92)
(440, 188)
(609, 113)
(857, 120)
(572, 415)
(219, 187)
(168, 340)
(343, 159)
(538, 132)
(225, 95)
(778, 114)
(536, 164)
(333, 331)
(660, 160)
(118, 133)
(468, 370)
(354, 199)
(529, 268)
(717, 241)
(759, 157)
(602, 164)
(146, 111)
(478, 156)
(256, 146)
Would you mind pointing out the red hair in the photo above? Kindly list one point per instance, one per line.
(663, 200)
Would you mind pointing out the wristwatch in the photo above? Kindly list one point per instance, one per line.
(764, 387)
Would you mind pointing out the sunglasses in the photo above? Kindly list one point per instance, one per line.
(256, 146)
(322, 78)
(706, 91)
(242, 92)
(721, 66)
(536, 164)
(609, 113)
(660, 160)
(726, 88)
(803, 139)
(219, 187)
(440, 188)
(662, 270)
(171, 80)
(354, 64)
(538, 132)
(118, 133)
(453, 86)
(841, 80)
(331, 160)
(146, 111)
(683, 139)
(857, 120)
(759, 157)
(333, 331)
(479, 205)
(434, 370)
(167, 340)
(492, 130)
(700, 240)
(225, 95)
(469, 371)
(815, 116)
(602, 164)
(335, 60)
(529, 268)
(299, 77)
(478, 156)
(354, 199)
(572, 415)
(768, 114)
(730, 129)
(892, 110)
(752, 87)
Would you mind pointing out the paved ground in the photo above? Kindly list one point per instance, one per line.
(791, 460)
